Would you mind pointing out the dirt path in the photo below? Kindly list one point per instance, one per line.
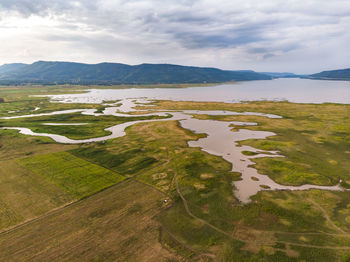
(176, 239)
(55, 210)
(314, 246)
(31, 220)
(343, 233)
(192, 215)
(307, 233)
(327, 217)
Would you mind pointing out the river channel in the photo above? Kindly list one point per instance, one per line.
(220, 140)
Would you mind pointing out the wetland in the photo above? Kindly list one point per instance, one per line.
(253, 181)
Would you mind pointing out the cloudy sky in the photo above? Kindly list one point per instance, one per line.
(301, 36)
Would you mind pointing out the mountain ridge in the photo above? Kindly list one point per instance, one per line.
(339, 74)
(54, 72)
(10, 67)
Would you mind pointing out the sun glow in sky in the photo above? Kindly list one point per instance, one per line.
(275, 35)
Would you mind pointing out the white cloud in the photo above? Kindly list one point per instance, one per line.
(274, 35)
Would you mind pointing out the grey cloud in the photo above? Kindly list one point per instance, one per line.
(237, 30)
(44, 7)
(27, 7)
(194, 24)
(266, 56)
(268, 48)
(230, 39)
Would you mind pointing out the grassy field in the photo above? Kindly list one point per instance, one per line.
(74, 175)
(114, 225)
(14, 145)
(24, 195)
(147, 196)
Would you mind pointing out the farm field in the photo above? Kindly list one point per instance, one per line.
(148, 196)
(74, 175)
(116, 224)
(24, 195)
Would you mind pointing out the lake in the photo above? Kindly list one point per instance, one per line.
(291, 89)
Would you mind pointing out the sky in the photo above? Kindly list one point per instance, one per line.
(300, 36)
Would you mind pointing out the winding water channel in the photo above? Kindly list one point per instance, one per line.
(220, 140)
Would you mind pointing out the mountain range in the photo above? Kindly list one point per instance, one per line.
(43, 72)
(341, 74)
(46, 72)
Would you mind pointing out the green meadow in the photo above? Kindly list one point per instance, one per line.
(74, 175)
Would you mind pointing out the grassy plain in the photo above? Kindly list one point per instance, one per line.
(24, 194)
(115, 225)
(176, 203)
(74, 175)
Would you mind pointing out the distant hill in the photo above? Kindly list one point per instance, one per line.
(280, 75)
(43, 72)
(6, 68)
(342, 74)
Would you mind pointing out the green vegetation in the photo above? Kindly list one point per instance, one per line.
(76, 176)
(126, 162)
(94, 128)
(204, 181)
(14, 145)
(249, 153)
(22, 100)
(340, 74)
(24, 195)
(45, 72)
(148, 196)
(314, 138)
